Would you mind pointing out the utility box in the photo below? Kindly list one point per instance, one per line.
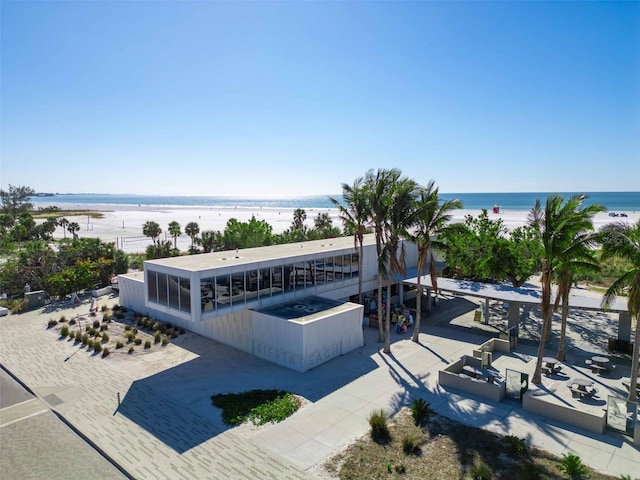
(35, 299)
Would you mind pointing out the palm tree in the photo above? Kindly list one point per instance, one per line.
(210, 240)
(354, 219)
(560, 226)
(581, 256)
(299, 216)
(379, 186)
(152, 230)
(175, 232)
(192, 229)
(64, 223)
(431, 221)
(401, 218)
(73, 227)
(623, 240)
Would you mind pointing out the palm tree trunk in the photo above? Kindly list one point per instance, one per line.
(563, 333)
(379, 302)
(387, 320)
(547, 315)
(416, 326)
(360, 264)
(633, 378)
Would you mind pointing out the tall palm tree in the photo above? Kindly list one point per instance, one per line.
(152, 230)
(400, 219)
(192, 229)
(379, 186)
(354, 218)
(560, 224)
(623, 240)
(582, 257)
(431, 221)
(175, 232)
(64, 223)
(73, 227)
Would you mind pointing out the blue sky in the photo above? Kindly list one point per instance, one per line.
(292, 98)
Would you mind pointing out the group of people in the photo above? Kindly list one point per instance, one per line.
(404, 321)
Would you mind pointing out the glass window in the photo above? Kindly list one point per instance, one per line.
(152, 286)
(162, 288)
(277, 285)
(174, 292)
(264, 282)
(238, 288)
(185, 294)
(223, 283)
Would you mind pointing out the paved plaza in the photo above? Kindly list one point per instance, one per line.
(166, 428)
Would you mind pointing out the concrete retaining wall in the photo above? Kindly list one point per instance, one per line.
(593, 422)
(451, 377)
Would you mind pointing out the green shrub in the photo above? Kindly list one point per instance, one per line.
(157, 337)
(147, 344)
(62, 319)
(481, 471)
(105, 352)
(119, 344)
(96, 324)
(105, 337)
(138, 341)
(531, 471)
(410, 443)
(130, 336)
(573, 466)
(517, 446)
(131, 349)
(259, 406)
(72, 321)
(97, 346)
(104, 308)
(85, 339)
(165, 340)
(106, 317)
(104, 328)
(52, 323)
(119, 315)
(420, 411)
(127, 328)
(378, 422)
(64, 331)
(157, 326)
(78, 336)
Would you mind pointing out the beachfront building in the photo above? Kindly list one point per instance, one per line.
(285, 303)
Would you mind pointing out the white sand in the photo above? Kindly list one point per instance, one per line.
(122, 224)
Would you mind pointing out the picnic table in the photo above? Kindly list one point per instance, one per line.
(599, 364)
(580, 387)
(476, 372)
(551, 365)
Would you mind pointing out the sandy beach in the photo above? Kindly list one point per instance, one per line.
(122, 224)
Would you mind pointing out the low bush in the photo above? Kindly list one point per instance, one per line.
(105, 352)
(104, 308)
(130, 336)
(131, 349)
(52, 323)
(259, 406)
(97, 346)
(78, 336)
(119, 344)
(157, 337)
(64, 331)
(62, 319)
(72, 321)
(420, 411)
(147, 344)
(481, 471)
(517, 446)
(157, 326)
(410, 443)
(165, 340)
(378, 422)
(573, 466)
(138, 341)
(96, 324)
(105, 337)
(85, 339)
(104, 328)
(127, 328)
(106, 317)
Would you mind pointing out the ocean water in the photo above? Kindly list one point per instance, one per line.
(613, 201)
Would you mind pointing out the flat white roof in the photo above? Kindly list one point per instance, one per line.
(507, 293)
(286, 253)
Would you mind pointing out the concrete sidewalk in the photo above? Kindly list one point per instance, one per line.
(166, 427)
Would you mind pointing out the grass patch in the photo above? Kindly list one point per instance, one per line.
(258, 406)
(442, 449)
